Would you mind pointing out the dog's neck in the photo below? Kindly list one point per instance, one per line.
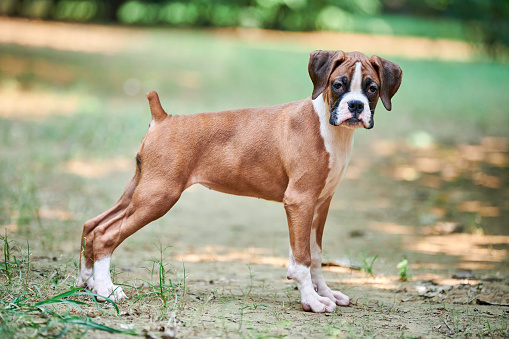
(338, 141)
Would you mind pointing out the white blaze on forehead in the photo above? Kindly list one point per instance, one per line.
(356, 83)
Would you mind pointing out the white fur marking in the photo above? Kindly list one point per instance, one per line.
(85, 275)
(356, 83)
(291, 264)
(309, 298)
(338, 142)
(316, 258)
(102, 275)
(102, 281)
(317, 278)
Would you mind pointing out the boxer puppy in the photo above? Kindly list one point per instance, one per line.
(295, 153)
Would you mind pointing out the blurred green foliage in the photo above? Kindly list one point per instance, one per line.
(486, 21)
(482, 21)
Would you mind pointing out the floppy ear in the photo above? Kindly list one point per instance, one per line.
(390, 78)
(321, 64)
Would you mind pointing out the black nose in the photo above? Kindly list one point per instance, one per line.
(356, 107)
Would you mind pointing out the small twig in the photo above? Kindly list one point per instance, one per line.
(446, 324)
(486, 302)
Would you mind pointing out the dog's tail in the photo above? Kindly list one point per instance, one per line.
(158, 113)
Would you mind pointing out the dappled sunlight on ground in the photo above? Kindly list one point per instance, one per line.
(67, 37)
(468, 247)
(58, 214)
(378, 282)
(36, 105)
(15, 66)
(249, 256)
(43, 214)
(334, 274)
(392, 228)
(411, 47)
(103, 39)
(420, 157)
(98, 169)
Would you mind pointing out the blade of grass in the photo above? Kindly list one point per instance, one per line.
(96, 326)
(75, 292)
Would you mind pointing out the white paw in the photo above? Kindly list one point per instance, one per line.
(315, 303)
(335, 296)
(112, 292)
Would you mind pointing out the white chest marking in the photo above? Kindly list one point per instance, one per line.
(338, 142)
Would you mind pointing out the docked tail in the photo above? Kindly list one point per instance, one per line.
(158, 113)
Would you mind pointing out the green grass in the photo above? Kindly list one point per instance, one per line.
(404, 271)
(165, 289)
(30, 309)
(368, 263)
(53, 307)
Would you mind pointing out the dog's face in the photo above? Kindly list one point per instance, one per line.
(351, 84)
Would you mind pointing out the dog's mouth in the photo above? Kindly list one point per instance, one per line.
(352, 123)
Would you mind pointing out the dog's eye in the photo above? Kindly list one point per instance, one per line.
(338, 87)
(372, 89)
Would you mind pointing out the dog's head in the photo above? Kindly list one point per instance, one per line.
(351, 84)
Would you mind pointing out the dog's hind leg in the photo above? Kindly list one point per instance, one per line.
(319, 218)
(151, 199)
(143, 201)
(85, 273)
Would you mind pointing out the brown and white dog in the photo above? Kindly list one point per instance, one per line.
(295, 153)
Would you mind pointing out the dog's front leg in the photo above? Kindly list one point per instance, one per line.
(319, 218)
(300, 208)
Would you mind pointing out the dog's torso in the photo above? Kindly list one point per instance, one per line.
(300, 144)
